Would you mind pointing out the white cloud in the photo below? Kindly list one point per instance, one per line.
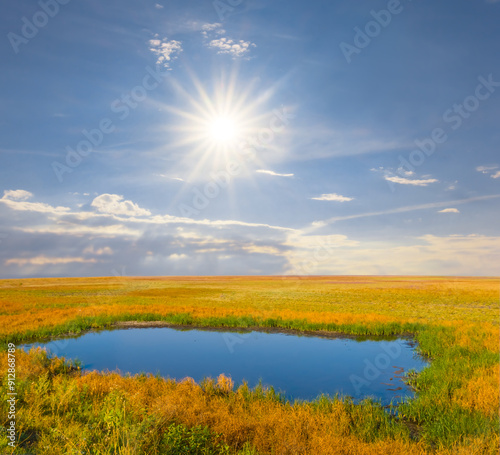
(325, 141)
(425, 255)
(265, 171)
(17, 195)
(310, 242)
(170, 177)
(489, 170)
(231, 47)
(403, 171)
(177, 257)
(114, 204)
(215, 27)
(401, 177)
(45, 260)
(99, 252)
(165, 50)
(486, 169)
(17, 200)
(120, 233)
(261, 249)
(409, 208)
(80, 230)
(96, 243)
(224, 45)
(169, 219)
(111, 208)
(449, 211)
(158, 6)
(405, 181)
(332, 197)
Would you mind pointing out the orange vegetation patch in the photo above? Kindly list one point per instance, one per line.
(35, 303)
(270, 426)
(482, 392)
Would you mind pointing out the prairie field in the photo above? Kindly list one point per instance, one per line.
(61, 410)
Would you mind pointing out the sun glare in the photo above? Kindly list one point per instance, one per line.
(219, 125)
(223, 130)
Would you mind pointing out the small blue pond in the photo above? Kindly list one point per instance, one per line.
(302, 367)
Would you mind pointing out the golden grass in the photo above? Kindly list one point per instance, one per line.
(33, 303)
(470, 305)
(481, 393)
(270, 426)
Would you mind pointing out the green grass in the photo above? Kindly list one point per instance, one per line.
(59, 418)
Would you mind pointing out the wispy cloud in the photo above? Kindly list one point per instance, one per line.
(401, 177)
(44, 260)
(452, 186)
(179, 179)
(448, 255)
(216, 28)
(451, 210)
(114, 208)
(403, 171)
(265, 171)
(98, 252)
(325, 141)
(489, 170)
(486, 169)
(18, 200)
(82, 242)
(165, 50)
(410, 208)
(46, 242)
(406, 181)
(333, 197)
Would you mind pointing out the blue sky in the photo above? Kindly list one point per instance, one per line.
(249, 137)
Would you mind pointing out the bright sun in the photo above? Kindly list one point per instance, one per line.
(222, 130)
(219, 125)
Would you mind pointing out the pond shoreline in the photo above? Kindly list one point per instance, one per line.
(263, 329)
(304, 364)
(409, 336)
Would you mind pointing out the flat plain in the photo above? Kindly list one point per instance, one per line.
(60, 410)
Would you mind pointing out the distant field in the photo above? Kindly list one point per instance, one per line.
(455, 321)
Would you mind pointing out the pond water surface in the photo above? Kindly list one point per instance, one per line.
(302, 367)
